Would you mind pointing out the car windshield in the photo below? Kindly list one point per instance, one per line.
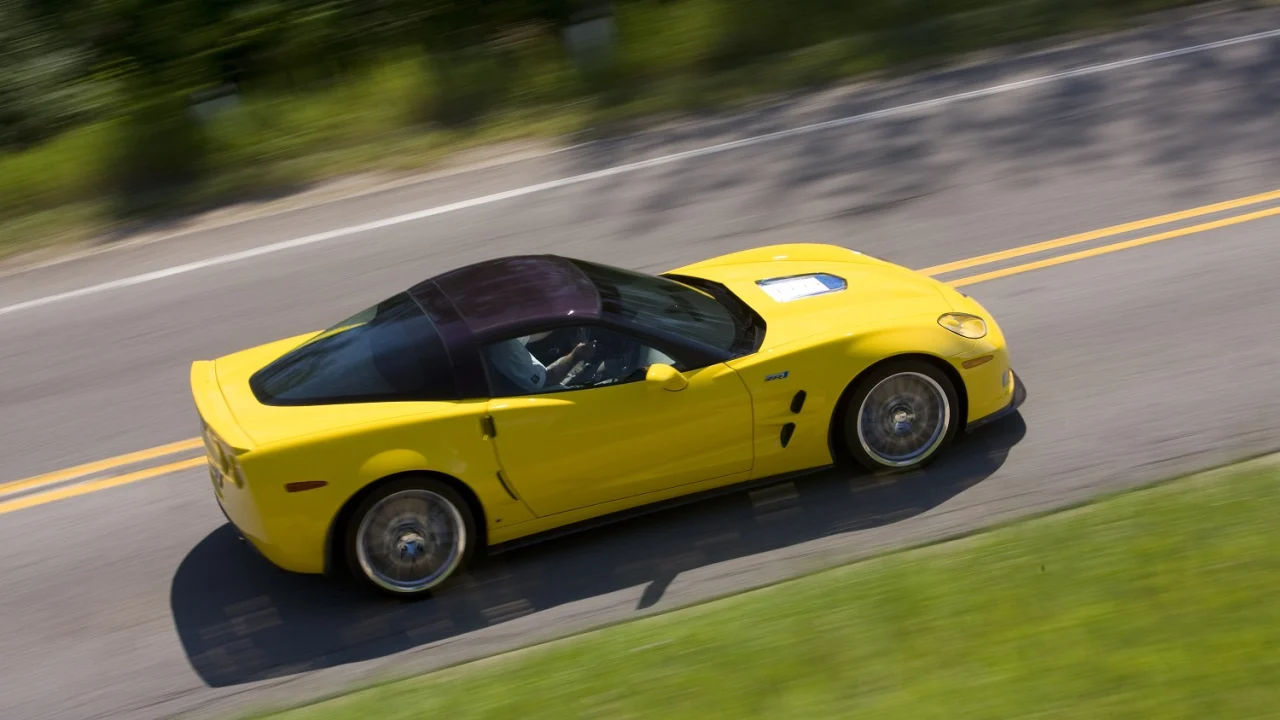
(666, 305)
(390, 351)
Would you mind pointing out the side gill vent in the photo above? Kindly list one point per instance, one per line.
(797, 402)
(787, 431)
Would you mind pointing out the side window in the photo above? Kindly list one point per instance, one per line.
(573, 358)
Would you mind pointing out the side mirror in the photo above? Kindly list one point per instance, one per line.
(668, 377)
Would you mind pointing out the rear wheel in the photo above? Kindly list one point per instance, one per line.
(900, 416)
(410, 536)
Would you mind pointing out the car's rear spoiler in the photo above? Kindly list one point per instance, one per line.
(213, 408)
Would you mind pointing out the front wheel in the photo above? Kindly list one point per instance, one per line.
(900, 416)
(409, 536)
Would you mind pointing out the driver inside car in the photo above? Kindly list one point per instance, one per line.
(519, 366)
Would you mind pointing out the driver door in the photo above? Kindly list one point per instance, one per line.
(607, 433)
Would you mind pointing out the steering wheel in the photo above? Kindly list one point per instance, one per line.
(556, 344)
(609, 353)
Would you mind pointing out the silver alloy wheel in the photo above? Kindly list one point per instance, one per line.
(904, 419)
(410, 541)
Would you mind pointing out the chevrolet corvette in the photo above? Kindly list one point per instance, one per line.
(510, 398)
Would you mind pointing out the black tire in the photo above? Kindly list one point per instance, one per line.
(863, 447)
(417, 496)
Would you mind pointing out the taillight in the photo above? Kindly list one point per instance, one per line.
(210, 446)
(222, 457)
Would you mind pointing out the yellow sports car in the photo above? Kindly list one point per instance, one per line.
(512, 397)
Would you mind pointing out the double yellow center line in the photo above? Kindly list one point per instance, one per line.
(67, 489)
(995, 257)
(89, 469)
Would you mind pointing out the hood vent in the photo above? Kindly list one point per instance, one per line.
(796, 287)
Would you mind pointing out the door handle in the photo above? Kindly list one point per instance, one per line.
(487, 427)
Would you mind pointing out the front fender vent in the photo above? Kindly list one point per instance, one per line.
(797, 402)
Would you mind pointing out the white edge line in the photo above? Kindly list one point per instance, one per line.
(630, 167)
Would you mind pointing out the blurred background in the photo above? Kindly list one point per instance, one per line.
(1112, 198)
(119, 110)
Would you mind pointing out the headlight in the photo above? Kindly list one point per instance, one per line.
(969, 326)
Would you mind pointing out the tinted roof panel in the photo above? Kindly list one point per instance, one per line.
(513, 291)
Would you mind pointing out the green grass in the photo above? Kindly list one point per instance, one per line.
(671, 58)
(1155, 604)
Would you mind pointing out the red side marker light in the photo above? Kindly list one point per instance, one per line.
(307, 485)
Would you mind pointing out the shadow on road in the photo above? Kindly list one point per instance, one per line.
(240, 619)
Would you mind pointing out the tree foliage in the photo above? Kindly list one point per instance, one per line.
(64, 62)
(136, 75)
(145, 65)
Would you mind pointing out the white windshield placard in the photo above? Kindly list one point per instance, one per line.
(788, 289)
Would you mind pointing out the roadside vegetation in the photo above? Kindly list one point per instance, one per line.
(117, 111)
(1153, 604)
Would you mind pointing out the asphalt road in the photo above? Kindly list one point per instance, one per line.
(136, 601)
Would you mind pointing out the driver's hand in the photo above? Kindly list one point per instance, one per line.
(583, 351)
